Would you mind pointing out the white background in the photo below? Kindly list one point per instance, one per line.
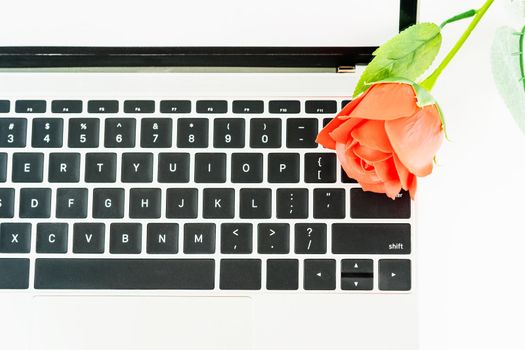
(471, 210)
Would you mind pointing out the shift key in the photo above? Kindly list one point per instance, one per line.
(371, 238)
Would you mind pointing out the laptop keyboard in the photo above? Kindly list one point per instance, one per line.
(189, 195)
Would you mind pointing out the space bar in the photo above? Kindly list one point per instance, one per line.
(124, 274)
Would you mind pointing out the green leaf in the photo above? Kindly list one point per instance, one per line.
(506, 66)
(409, 54)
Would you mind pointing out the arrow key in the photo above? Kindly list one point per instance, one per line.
(319, 274)
(394, 275)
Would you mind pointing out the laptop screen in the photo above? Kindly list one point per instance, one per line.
(228, 23)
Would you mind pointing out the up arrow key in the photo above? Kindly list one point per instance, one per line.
(356, 266)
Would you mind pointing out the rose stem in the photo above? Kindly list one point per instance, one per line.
(429, 82)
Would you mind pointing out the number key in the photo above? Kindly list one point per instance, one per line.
(47, 133)
(192, 133)
(228, 133)
(120, 133)
(13, 132)
(156, 133)
(265, 133)
(83, 132)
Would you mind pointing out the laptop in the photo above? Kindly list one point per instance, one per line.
(161, 188)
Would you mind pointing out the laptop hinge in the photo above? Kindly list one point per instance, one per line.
(346, 69)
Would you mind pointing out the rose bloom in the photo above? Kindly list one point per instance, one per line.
(384, 140)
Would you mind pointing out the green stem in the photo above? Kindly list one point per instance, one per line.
(461, 16)
(429, 82)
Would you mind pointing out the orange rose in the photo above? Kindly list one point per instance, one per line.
(387, 137)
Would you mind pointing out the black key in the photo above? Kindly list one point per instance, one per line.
(255, 203)
(218, 203)
(344, 103)
(329, 203)
(175, 106)
(174, 168)
(181, 203)
(30, 106)
(236, 238)
(285, 107)
(7, 203)
(346, 179)
(321, 107)
(395, 275)
(319, 274)
(132, 274)
(210, 167)
(320, 167)
(265, 133)
(64, 167)
(139, 106)
(199, 238)
(13, 132)
(301, 132)
(51, 238)
(192, 133)
(357, 274)
(371, 239)
(3, 167)
(108, 203)
(248, 107)
(35, 203)
(247, 168)
(84, 132)
(14, 273)
(326, 121)
(120, 133)
(283, 167)
(88, 238)
(15, 238)
(369, 205)
(28, 167)
(273, 238)
(66, 106)
(292, 203)
(282, 274)
(144, 203)
(212, 106)
(137, 167)
(47, 133)
(72, 203)
(101, 167)
(156, 132)
(163, 238)
(228, 133)
(103, 106)
(241, 274)
(125, 238)
(310, 238)
(5, 106)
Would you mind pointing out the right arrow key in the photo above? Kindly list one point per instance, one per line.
(395, 275)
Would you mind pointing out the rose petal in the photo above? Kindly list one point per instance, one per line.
(386, 171)
(402, 172)
(343, 133)
(387, 101)
(412, 186)
(392, 188)
(417, 139)
(324, 138)
(373, 187)
(352, 165)
(372, 134)
(370, 155)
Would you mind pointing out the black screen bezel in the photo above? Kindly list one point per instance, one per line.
(316, 57)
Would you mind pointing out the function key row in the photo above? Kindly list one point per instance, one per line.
(174, 106)
(200, 238)
(158, 132)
